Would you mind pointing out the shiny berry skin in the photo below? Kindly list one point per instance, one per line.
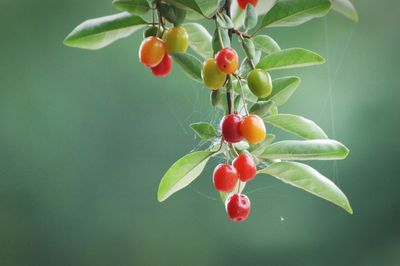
(238, 207)
(176, 40)
(163, 68)
(245, 166)
(152, 51)
(230, 128)
(227, 60)
(253, 129)
(259, 83)
(243, 3)
(225, 178)
(212, 76)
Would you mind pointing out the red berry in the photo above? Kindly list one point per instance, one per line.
(225, 178)
(244, 3)
(164, 67)
(245, 167)
(230, 128)
(227, 60)
(238, 207)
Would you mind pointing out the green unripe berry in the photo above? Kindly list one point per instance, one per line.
(259, 83)
(213, 77)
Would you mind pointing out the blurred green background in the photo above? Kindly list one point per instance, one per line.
(86, 136)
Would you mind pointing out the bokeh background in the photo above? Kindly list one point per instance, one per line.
(86, 136)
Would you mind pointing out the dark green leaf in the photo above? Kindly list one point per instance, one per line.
(346, 8)
(172, 13)
(290, 13)
(204, 130)
(290, 58)
(199, 39)
(218, 99)
(203, 7)
(283, 89)
(138, 7)
(250, 20)
(190, 65)
(266, 44)
(319, 149)
(296, 125)
(262, 108)
(182, 173)
(99, 32)
(305, 177)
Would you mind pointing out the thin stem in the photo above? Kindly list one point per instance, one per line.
(221, 42)
(234, 150)
(229, 93)
(242, 95)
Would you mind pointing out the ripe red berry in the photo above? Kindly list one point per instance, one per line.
(244, 3)
(238, 207)
(164, 67)
(225, 178)
(245, 167)
(230, 128)
(227, 60)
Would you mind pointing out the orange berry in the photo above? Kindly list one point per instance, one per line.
(253, 129)
(152, 51)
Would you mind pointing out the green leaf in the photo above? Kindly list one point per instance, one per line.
(99, 32)
(138, 7)
(238, 15)
(204, 130)
(346, 8)
(203, 7)
(318, 149)
(216, 44)
(283, 89)
(266, 44)
(257, 150)
(245, 66)
(262, 108)
(291, 13)
(305, 177)
(296, 125)
(251, 18)
(224, 21)
(290, 58)
(182, 173)
(218, 99)
(190, 65)
(172, 13)
(199, 39)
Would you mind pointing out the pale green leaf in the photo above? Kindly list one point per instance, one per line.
(204, 130)
(346, 8)
(190, 65)
(319, 149)
(266, 44)
(262, 108)
(290, 58)
(138, 7)
(283, 89)
(251, 18)
(199, 39)
(99, 32)
(305, 177)
(182, 173)
(296, 125)
(258, 149)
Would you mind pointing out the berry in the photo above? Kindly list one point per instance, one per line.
(227, 60)
(212, 76)
(259, 83)
(238, 207)
(164, 67)
(243, 3)
(253, 129)
(225, 178)
(245, 166)
(230, 128)
(176, 40)
(151, 51)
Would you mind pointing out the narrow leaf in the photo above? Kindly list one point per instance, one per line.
(182, 173)
(290, 58)
(296, 125)
(324, 149)
(266, 44)
(305, 177)
(346, 8)
(138, 7)
(99, 32)
(283, 89)
(295, 12)
(199, 39)
(204, 130)
(190, 65)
